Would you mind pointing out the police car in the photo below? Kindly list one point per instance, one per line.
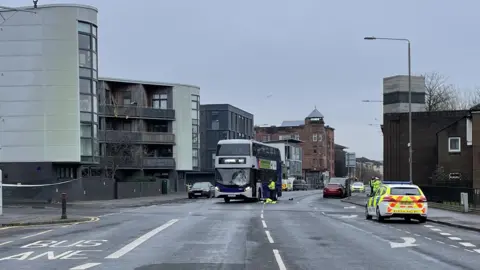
(397, 200)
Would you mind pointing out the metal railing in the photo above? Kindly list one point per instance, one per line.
(450, 196)
(136, 112)
(136, 137)
(139, 162)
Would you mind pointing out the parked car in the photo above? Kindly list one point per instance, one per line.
(334, 190)
(344, 182)
(201, 189)
(300, 185)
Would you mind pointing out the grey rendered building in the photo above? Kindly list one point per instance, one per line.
(220, 122)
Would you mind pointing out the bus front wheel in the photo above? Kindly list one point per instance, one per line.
(227, 200)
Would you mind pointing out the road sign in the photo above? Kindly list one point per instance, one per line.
(350, 160)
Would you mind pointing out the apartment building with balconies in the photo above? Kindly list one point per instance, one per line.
(149, 129)
(59, 122)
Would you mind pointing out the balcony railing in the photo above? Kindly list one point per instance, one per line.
(136, 137)
(139, 162)
(136, 112)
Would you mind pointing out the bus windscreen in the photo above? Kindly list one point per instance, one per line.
(233, 150)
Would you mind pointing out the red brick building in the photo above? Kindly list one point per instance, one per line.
(318, 149)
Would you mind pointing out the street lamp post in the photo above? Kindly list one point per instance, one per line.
(410, 149)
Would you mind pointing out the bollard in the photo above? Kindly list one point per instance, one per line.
(464, 201)
(64, 206)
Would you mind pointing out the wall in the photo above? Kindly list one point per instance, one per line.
(425, 126)
(39, 89)
(182, 126)
(455, 162)
(395, 94)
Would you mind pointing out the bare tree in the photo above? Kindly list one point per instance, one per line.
(439, 94)
(468, 99)
(119, 152)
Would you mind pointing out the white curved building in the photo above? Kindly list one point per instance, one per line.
(48, 75)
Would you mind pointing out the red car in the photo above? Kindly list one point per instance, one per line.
(333, 190)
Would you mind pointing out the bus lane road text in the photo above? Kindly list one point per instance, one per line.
(78, 250)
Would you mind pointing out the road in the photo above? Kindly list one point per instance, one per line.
(308, 232)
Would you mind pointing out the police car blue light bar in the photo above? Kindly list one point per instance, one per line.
(397, 182)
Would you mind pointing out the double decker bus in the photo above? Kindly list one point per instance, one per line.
(243, 169)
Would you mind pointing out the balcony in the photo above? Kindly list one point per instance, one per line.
(136, 137)
(136, 112)
(139, 162)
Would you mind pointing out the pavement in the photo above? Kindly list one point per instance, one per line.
(306, 232)
(468, 221)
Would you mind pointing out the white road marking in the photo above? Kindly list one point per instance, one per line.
(264, 224)
(428, 226)
(261, 216)
(399, 230)
(85, 266)
(279, 260)
(32, 235)
(466, 244)
(135, 243)
(477, 250)
(445, 233)
(454, 246)
(440, 242)
(455, 238)
(4, 243)
(428, 238)
(416, 234)
(270, 239)
(407, 242)
(468, 250)
(435, 230)
(408, 232)
(349, 207)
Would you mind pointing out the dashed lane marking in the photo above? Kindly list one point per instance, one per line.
(428, 238)
(279, 260)
(270, 239)
(440, 242)
(408, 232)
(435, 229)
(4, 243)
(469, 250)
(85, 266)
(261, 216)
(445, 233)
(33, 235)
(416, 234)
(477, 250)
(466, 244)
(264, 224)
(428, 226)
(454, 246)
(455, 238)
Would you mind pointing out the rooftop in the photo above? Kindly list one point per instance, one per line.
(285, 141)
(108, 79)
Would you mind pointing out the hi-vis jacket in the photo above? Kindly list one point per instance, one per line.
(271, 185)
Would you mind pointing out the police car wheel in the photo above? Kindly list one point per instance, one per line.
(379, 217)
(367, 216)
(422, 220)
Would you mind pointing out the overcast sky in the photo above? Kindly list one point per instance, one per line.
(305, 53)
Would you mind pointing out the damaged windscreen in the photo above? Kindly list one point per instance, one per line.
(237, 176)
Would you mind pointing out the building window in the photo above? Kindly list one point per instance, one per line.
(127, 98)
(194, 162)
(85, 59)
(86, 103)
(454, 144)
(314, 137)
(195, 152)
(86, 130)
(159, 101)
(297, 137)
(86, 147)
